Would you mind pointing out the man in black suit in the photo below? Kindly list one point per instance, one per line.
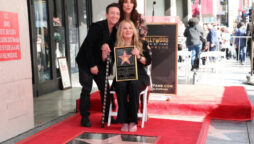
(89, 60)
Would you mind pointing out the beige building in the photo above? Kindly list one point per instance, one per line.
(48, 30)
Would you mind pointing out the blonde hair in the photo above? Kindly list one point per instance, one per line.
(135, 40)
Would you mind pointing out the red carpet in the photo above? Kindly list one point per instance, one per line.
(167, 131)
(217, 102)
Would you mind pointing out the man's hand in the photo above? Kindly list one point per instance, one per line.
(104, 56)
(105, 48)
(94, 70)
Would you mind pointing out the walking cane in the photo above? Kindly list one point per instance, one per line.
(105, 92)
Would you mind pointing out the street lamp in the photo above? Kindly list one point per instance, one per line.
(154, 3)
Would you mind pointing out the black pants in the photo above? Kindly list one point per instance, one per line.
(86, 80)
(128, 100)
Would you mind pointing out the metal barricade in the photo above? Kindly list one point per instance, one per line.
(239, 38)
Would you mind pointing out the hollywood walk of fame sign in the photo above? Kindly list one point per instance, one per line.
(125, 63)
(162, 39)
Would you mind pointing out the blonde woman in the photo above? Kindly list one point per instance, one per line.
(128, 91)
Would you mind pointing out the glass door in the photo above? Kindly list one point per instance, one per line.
(48, 43)
(83, 17)
(44, 79)
(58, 32)
(44, 63)
(73, 33)
(58, 27)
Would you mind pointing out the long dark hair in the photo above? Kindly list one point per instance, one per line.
(135, 16)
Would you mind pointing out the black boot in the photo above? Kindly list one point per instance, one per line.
(85, 122)
(203, 61)
(192, 67)
(196, 63)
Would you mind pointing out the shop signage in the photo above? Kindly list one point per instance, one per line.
(64, 71)
(9, 36)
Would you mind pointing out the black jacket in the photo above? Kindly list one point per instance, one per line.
(142, 69)
(90, 53)
(193, 35)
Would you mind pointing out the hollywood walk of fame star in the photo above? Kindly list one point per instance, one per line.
(112, 140)
(125, 58)
(223, 134)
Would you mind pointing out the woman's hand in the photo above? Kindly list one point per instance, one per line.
(136, 53)
(141, 59)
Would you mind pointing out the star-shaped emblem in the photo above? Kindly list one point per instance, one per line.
(222, 133)
(125, 58)
(112, 140)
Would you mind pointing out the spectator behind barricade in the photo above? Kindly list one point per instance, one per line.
(194, 34)
(225, 41)
(240, 42)
(232, 50)
(212, 38)
(218, 33)
(205, 44)
(249, 40)
(249, 33)
(181, 40)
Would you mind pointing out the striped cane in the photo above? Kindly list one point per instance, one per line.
(105, 93)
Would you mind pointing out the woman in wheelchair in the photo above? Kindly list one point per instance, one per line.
(128, 91)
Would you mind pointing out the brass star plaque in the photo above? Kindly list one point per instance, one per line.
(125, 64)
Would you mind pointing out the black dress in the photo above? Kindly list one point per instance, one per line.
(128, 91)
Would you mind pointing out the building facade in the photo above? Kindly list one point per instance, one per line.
(16, 104)
(45, 31)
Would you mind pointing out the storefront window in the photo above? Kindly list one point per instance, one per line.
(73, 33)
(59, 31)
(82, 20)
(42, 43)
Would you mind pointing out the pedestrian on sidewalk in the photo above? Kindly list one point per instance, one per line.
(194, 35)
